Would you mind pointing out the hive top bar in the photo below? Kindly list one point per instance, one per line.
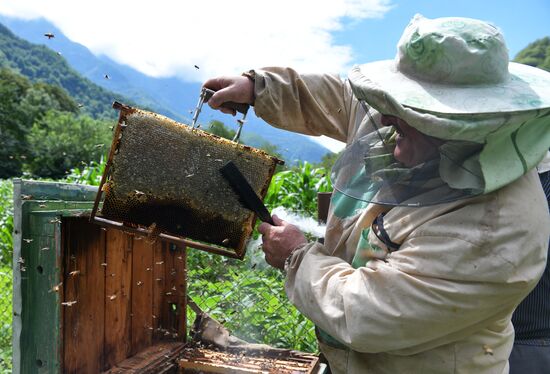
(165, 176)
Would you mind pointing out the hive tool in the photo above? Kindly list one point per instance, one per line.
(205, 95)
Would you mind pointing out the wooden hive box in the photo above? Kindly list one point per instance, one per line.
(88, 298)
(93, 299)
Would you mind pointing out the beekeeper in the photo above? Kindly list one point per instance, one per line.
(438, 225)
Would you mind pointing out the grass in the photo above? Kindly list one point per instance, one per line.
(6, 278)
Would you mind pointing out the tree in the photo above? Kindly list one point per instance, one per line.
(536, 54)
(60, 141)
(14, 122)
(21, 104)
(328, 160)
(218, 128)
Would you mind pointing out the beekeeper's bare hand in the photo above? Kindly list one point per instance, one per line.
(279, 241)
(238, 89)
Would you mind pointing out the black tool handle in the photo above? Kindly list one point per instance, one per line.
(244, 190)
(241, 108)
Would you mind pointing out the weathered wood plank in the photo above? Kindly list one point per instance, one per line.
(174, 307)
(142, 294)
(180, 265)
(39, 273)
(39, 190)
(84, 297)
(159, 358)
(118, 286)
(158, 290)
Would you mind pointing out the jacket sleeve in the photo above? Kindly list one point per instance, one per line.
(442, 285)
(311, 104)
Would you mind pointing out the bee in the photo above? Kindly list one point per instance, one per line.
(487, 350)
(139, 196)
(56, 287)
(139, 193)
(106, 187)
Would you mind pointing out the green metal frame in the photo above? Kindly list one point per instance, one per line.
(37, 245)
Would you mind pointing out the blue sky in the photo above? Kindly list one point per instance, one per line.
(522, 22)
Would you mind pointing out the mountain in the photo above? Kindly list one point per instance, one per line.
(536, 54)
(39, 64)
(169, 96)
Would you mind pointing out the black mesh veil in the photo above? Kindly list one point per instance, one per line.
(368, 171)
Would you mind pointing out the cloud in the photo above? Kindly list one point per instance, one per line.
(168, 38)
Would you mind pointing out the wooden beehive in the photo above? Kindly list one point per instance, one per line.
(90, 299)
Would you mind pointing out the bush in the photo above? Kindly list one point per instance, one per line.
(6, 228)
(6, 222)
(60, 141)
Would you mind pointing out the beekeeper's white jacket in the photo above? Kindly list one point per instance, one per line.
(442, 303)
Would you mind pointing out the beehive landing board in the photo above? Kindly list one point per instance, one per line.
(165, 176)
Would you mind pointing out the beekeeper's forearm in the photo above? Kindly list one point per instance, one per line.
(314, 104)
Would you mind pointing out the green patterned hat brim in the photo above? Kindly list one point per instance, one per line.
(526, 89)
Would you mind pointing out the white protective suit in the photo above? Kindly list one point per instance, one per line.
(442, 303)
